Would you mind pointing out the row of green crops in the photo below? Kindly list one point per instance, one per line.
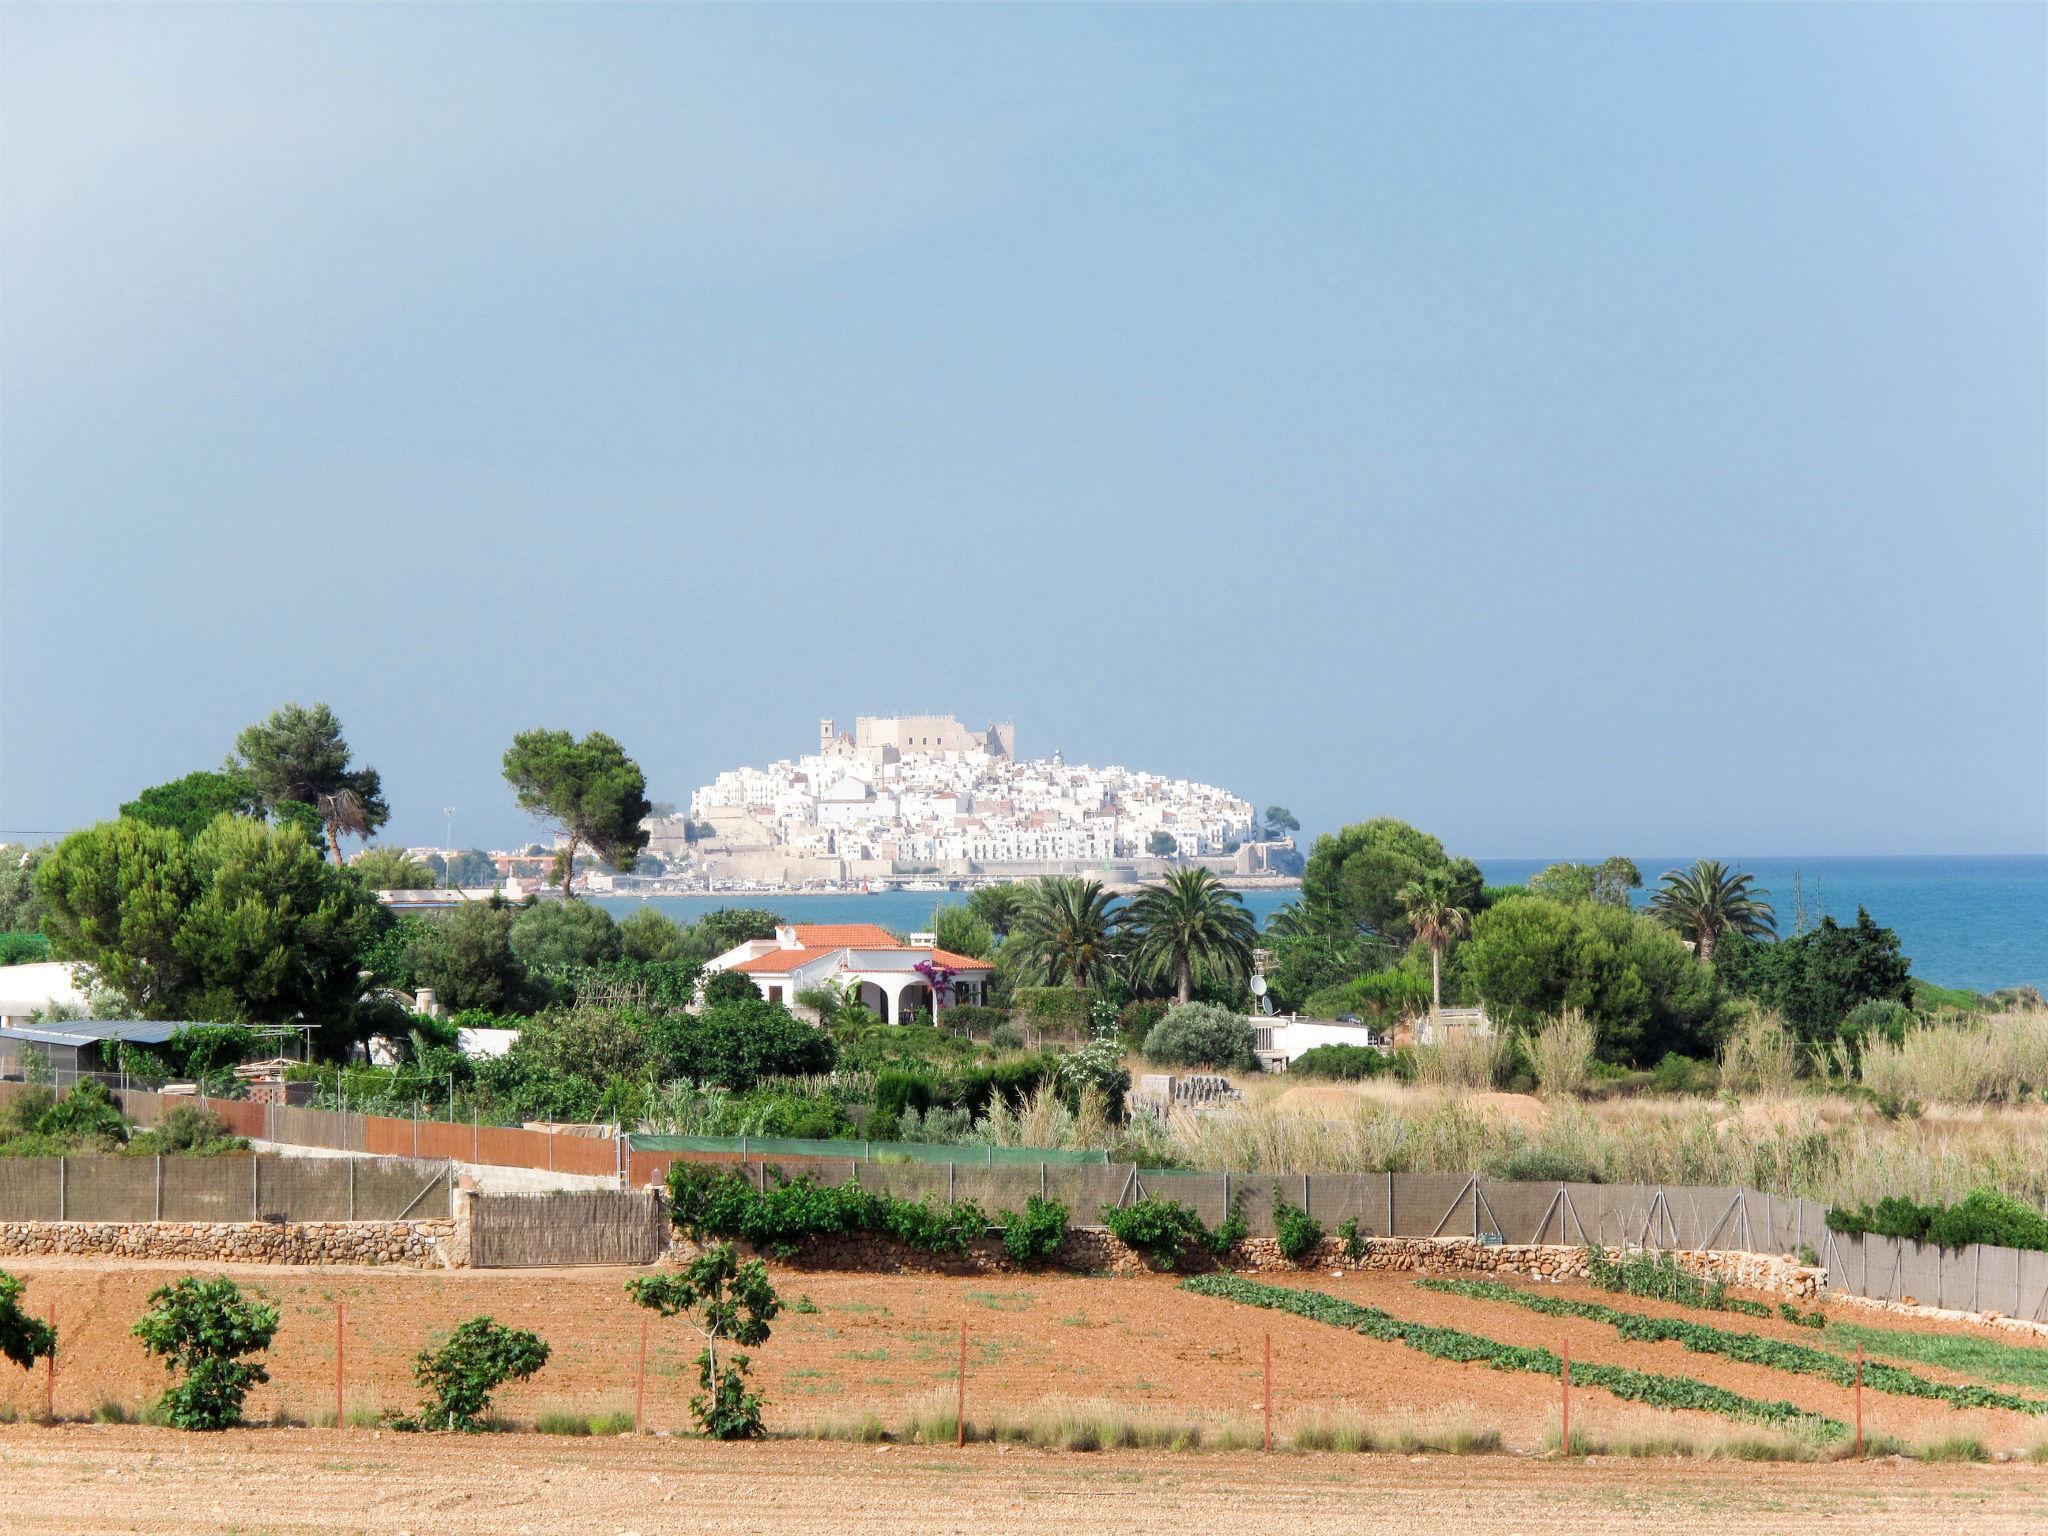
(1456, 1345)
(1749, 1348)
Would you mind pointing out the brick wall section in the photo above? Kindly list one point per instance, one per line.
(405, 1244)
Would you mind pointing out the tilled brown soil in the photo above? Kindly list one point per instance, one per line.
(884, 1344)
(83, 1480)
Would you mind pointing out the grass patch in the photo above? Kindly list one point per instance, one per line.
(1001, 1301)
(1657, 1277)
(1953, 1448)
(580, 1425)
(107, 1411)
(2016, 1365)
(1749, 1348)
(1405, 1434)
(1456, 1345)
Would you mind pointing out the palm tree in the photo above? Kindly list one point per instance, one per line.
(1066, 932)
(1190, 923)
(1706, 901)
(1431, 907)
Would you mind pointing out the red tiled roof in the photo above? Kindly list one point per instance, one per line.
(779, 962)
(845, 935)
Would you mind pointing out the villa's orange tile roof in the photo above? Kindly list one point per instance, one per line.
(778, 962)
(846, 936)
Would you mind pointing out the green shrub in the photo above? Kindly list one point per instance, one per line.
(23, 1339)
(1135, 1019)
(1791, 1314)
(1982, 1216)
(205, 1328)
(1054, 1010)
(1354, 1241)
(1035, 1235)
(729, 987)
(188, 1131)
(1298, 1233)
(1343, 1063)
(1202, 1035)
(23, 948)
(720, 1203)
(975, 1020)
(479, 1357)
(1164, 1231)
(735, 1044)
(725, 1300)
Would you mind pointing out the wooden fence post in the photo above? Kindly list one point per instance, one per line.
(640, 1387)
(960, 1406)
(340, 1413)
(1859, 1402)
(1566, 1443)
(50, 1372)
(1269, 1392)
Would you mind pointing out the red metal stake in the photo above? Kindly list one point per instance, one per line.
(960, 1408)
(1269, 1392)
(340, 1312)
(1859, 1402)
(1567, 1397)
(640, 1391)
(50, 1375)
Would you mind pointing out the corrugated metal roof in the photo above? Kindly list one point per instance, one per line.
(86, 1031)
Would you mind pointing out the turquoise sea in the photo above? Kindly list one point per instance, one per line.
(1979, 922)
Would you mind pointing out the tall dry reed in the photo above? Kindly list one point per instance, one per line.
(1759, 1055)
(1561, 1051)
(2001, 1059)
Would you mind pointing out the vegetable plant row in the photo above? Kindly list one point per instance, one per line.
(1454, 1344)
(1749, 1348)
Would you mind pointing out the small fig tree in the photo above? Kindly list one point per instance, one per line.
(479, 1357)
(722, 1299)
(207, 1328)
(23, 1339)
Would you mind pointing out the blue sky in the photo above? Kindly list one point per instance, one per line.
(1571, 428)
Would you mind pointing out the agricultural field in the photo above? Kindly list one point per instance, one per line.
(1074, 1360)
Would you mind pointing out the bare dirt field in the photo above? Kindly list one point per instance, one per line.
(89, 1479)
(887, 1344)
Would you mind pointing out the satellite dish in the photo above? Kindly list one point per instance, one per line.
(1258, 986)
(1266, 1006)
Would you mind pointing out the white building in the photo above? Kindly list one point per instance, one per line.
(864, 960)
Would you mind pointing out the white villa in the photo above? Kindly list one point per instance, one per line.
(861, 958)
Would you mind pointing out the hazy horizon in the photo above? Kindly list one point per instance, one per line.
(1560, 427)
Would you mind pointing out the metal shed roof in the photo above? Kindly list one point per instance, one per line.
(85, 1031)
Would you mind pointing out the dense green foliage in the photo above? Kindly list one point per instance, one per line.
(1298, 1233)
(724, 1299)
(1381, 998)
(1634, 981)
(466, 957)
(1967, 1354)
(562, 933)
(1065, 933)
(188, 806)
(1982, 1216)
(298, 757)
(23, 1339)
(1166, 1231)
(1354, 877)
(720, 1203)
(24, 948)
(961, 930)
(207, 1328)
(476, 1359)
(1035, 1234)
(1202, 1035)
(589, 790)
(246, 923)
(392, 869)
(1607, 882)
(21, 909)
(38, 1122)
(1817, 979)
(1340, 1063)
(1748, 1348)
(1454, 1344)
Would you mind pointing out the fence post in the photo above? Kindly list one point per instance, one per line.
(960, 1406)
(640, 1388)
(1565, 1444)
(340, 1311)
(1390, 1202)
(1859, 1402)
(1041, 1195)
(351, 1189)
(50, 1371)
(1304, 1195)
(1269, 1393)
(1976, 1273)
(743, 1146)
(255, 1179)
(159, 1186)
(61, 1181)
(951, 1168)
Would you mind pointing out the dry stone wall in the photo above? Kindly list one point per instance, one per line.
(406, 1244)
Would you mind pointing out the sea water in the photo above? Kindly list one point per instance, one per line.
(1979, 922)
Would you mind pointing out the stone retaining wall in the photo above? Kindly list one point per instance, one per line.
(408, 1244)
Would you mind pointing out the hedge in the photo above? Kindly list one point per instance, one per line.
(1454, 1344)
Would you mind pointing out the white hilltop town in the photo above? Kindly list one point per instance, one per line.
(922, 802)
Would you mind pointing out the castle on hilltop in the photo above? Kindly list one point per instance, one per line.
(889, 738)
